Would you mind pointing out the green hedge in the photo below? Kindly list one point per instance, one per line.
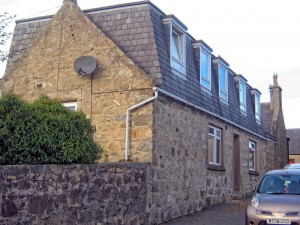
(44, 132)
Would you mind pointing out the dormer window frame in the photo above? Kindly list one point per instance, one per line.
(205, 79)
(177, 46)
(257, 109)
(223, 94)
(222, 77)
(204, 59)
(242, 88)
(242, 97)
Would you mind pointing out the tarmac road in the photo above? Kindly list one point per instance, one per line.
(229, 213)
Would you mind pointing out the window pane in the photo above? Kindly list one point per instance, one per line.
(242, 93)
(218, 133)
(204, 67)
(211, 149)
(252, 149)
(175, 46)
(212, 131)
(218, 152)
(257, 107)
(251, 159)
(222, 81)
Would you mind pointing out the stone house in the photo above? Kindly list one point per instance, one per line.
(156, 95)
(294, 145)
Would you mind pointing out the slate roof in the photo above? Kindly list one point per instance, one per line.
(294, 144)
(139, 31)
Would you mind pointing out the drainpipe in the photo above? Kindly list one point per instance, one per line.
(128, 116)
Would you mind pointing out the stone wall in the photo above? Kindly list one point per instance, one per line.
(114, 193)
(183, 182)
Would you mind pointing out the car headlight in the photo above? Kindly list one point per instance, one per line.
(254, 201)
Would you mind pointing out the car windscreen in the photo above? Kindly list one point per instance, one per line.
(280, 184)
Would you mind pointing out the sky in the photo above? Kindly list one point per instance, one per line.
(256, 37)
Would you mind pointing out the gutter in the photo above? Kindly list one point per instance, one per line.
(128, 116)
(210, 113)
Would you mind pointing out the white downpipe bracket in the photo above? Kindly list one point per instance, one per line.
(128, 117)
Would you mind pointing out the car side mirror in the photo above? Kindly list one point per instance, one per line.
(254, 189)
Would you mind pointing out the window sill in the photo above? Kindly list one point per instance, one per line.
(215, 167)
(179, 74)
(207, 91)
(223, 101)
(252, 172)
(243, 112)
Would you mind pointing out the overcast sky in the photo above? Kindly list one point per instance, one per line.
(256, 37)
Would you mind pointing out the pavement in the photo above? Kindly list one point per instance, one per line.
(228, 213)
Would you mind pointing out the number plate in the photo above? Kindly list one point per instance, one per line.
(278, 221)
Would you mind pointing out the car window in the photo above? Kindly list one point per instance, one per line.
(280, 184)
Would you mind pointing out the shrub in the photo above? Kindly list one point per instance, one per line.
(44, 132)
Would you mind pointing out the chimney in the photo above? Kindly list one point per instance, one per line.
(74, 1)
(275, 94)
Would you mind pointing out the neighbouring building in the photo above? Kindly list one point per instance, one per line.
(156, 95)
(294, 145)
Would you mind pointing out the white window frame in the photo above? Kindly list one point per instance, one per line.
(225, 92)
(257, 107)
(217, 136)
(179, 46)
(70, 105)
(243, 103)
(203, 78)
(178, 66)
(252, 148)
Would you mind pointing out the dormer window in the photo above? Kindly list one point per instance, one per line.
(242, 93)
(177, 52)
(256, 97)
(223, 83)
(204, 60)
(222, 66)
(176, 32)
(241, 85)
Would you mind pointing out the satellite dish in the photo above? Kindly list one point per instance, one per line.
(85, 65)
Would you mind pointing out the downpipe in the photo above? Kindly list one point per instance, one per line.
(129, 110)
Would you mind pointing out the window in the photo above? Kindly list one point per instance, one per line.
(256, 97)
(177, 51)
(70, 105)
(242, 90)
(214, 146)
(223, 82)
(257, 107)
(205, 68)
(177, 48)
(252, 156)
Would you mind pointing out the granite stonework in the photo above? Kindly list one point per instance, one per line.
(182, 180)
(131, 45)
(102, 194)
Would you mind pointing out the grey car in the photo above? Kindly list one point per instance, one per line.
(276, 200)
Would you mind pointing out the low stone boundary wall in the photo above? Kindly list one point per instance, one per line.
(98, 194)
